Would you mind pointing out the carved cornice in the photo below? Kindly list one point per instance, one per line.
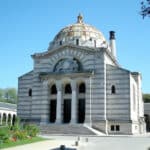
(48, 75)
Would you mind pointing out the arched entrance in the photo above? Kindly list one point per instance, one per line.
(13, 120)
(4, 119)
(81, 110)
(53, 103)
(81, 103)
(53, 110)
(9, 119)
(147, 121)
(67, 104)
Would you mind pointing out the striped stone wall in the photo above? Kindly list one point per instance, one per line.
(118, 104)
(25, 83)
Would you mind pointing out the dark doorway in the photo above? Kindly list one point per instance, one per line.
(68, 89)
(82, 88)
(52, 110)
(13, 120)
(67, 110)
(81, 111)
(53, 89)
(147, 121)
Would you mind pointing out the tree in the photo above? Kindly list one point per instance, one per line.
(146, 98)
(1, 93)
(145, 8)
(8, 95)
(11, 94)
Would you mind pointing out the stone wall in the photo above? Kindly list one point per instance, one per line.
(25, 83)
(118, 103)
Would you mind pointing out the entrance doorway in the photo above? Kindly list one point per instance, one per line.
(52, 110)
(147, 121)
(81, 110)
(67, 110)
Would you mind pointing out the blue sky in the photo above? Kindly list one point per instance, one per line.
(27, 27)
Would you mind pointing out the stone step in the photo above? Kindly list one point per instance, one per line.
(68, 129)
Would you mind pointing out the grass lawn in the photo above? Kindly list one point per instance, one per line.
(21, 142)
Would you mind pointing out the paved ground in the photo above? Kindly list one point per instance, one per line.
(91, 143)
(51, 144)
(117, 143)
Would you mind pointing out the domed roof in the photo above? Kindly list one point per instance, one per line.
(79, 34)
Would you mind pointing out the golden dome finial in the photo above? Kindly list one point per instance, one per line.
(80, 18)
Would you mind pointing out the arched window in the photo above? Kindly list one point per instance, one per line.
(60, 42)
(68, 89)
(53, 89)
(9, 119)
(4, 119)
(13, 120)
(30, 92)
(82, 88)
(77, 41)
(113, 89)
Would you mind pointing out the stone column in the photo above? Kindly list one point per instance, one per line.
(6, 119)
(59, 101)
(74, 102)
(1, 119)
(11, 119)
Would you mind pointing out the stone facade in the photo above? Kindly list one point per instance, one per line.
(78, 80)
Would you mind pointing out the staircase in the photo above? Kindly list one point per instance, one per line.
(68, 129)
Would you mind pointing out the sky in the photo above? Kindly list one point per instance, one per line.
(27, 27)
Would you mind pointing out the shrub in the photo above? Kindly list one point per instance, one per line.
(16, 125)
(4, 134)
(32, 130)
(19, 135)
(146, 98)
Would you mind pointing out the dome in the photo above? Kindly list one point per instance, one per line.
(79, 34)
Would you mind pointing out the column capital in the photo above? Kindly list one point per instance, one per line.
(58, 85)
(73, 85)
(45, 83)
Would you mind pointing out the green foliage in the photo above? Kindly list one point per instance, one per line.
(17, 134)
(32, 130)
(17, 125)
(20, 134)
(146, 98)
(4, 134)
(8, 95)
(1, 93)
(21, 142)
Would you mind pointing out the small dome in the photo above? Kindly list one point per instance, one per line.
(79, 34)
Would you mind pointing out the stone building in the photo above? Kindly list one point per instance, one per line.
(78, 80)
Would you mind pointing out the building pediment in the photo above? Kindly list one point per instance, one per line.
(80, 49)
(61, 48)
